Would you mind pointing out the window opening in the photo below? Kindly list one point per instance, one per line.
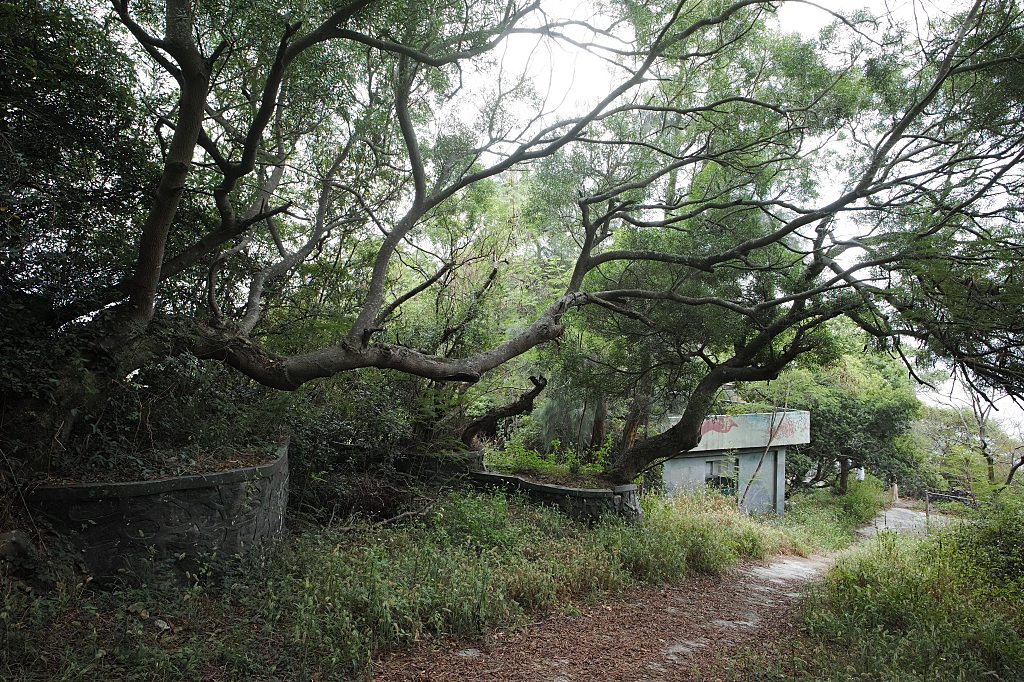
(720, 475)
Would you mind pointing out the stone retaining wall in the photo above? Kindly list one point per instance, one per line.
(176, 522)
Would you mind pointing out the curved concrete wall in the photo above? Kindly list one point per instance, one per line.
(173, 521)
(581, 504)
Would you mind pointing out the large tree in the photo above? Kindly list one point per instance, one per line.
(732, 218)
(323, 162)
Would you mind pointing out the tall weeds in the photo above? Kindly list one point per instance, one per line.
(821, 519)
(325, 604)
(948, 607)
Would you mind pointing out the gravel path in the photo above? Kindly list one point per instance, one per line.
(902, 519)
(708, 628)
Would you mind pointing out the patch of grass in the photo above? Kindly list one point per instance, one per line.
(947, 607)
(823, 520)
(326, 603)
(701, 532)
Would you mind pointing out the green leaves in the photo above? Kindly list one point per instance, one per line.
(862, 407)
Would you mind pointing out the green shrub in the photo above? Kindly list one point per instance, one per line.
(481, 520)
(939, 608)
(823, 520)
(699, 531)
(515, 458)
(562, 465)
(862, 500)
(995, 541)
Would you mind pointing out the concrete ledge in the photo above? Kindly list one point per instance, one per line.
(581, 504)
(94, 491)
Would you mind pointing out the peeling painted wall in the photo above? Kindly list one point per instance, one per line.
(756, 443)
(759, 430)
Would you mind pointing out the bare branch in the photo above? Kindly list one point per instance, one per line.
(387, 311)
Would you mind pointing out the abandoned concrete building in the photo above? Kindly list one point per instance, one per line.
(742, 456)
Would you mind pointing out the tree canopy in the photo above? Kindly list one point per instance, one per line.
(284, 187)
(863, 408)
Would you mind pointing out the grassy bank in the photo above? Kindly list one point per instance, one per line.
(824, 521)
(325, 603)
(947, 607)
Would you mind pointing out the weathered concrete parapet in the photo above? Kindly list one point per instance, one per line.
(581, 504)
(113, 525)
(723, 432)
(628, 501)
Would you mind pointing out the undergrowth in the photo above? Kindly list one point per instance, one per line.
(824, 520)
(947, 607)
(563, 465)
(326, 603)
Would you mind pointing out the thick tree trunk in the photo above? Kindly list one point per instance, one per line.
(146, 279)
(1013, 470)
(817, 471)
(686, 433)
(680, 438)
(638, 410)
(634, 418)
(600, 428)
(33, 430)
(844, 474)
(288, 373)
(194, 86)
(122, 341)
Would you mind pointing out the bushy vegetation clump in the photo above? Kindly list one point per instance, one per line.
(947, 607)
(565, 465)
(824, 519)
(324, 604)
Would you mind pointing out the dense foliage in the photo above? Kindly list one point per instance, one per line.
(863, 407)
(75, 169)
(944, 608)
(305, 191)
(327, 604)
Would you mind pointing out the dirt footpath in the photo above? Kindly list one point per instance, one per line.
(697, 631)
(902, 519)
(708, 628)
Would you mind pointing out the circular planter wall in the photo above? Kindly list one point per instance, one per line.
(171, 521)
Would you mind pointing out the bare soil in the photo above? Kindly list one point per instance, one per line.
(737, 626)
(727, 627)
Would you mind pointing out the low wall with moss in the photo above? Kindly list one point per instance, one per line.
(176, 522)
(581, 504)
